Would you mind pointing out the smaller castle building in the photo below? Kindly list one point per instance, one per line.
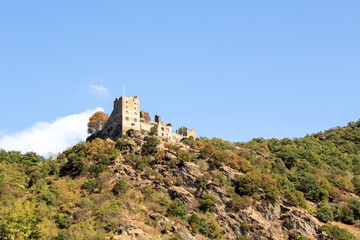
(127, 115)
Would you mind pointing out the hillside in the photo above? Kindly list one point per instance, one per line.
(139, 187)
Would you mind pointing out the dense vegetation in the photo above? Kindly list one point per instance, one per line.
(80, 195)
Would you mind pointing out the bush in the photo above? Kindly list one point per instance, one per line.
(311, 187)
(338, 233)
(184, 156)
(325, 213)
(356, 183)
(177, 208)
(121, 187)
(124, 145)
(354, 205)
(75, 166)
(206, 225)
(207, 204)
(5, 232)
(197, 223)
(272, 193)
(90, 185)
(244, 185)
(96, 169)
(63, 220)
(345, 215)
(237, 202)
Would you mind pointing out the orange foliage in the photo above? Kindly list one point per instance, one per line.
(97, 122)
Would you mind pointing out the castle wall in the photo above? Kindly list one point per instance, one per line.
(146, 126)
(127, 115)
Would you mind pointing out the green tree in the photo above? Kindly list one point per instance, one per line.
(182, 131)
(154, 130)
(150, 145)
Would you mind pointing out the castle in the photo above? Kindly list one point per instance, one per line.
(127, 115)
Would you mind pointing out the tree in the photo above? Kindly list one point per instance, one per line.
(154, 130)
(150, 145)
(97, 122)
(182, 131)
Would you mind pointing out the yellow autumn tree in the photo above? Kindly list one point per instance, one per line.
(97, 122)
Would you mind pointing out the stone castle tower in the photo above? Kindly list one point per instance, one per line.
(127, 115)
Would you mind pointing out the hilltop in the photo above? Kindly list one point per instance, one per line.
(141, 187)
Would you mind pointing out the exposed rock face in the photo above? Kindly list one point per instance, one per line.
(262, 220)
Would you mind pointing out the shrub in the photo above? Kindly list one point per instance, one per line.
(207, 204)
(5, 232)
(356, 183)
(90, 185)
(197, 224)
(272, 193)
(237, 202)
(338, 233)
(75, 166)
(96, 169)
(130, 133)
(311, 187)
(244, 185)
(121, 187)
(206, 225)
(295, 197)
(354, 205)
(345, 215)
(177, 208)
(124, 145)
(325, 213)
(63, 220)
(184, 156)
(142, 162)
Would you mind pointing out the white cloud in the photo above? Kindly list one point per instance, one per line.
(47, 138)
(98, 89)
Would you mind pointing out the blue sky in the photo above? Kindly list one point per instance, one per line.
(231, 69)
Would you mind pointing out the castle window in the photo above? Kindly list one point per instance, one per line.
(162, 129)
(135, 120)
(127, 119)
(135, 113)
(127, 107)
(126, 111)
(133, 124)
